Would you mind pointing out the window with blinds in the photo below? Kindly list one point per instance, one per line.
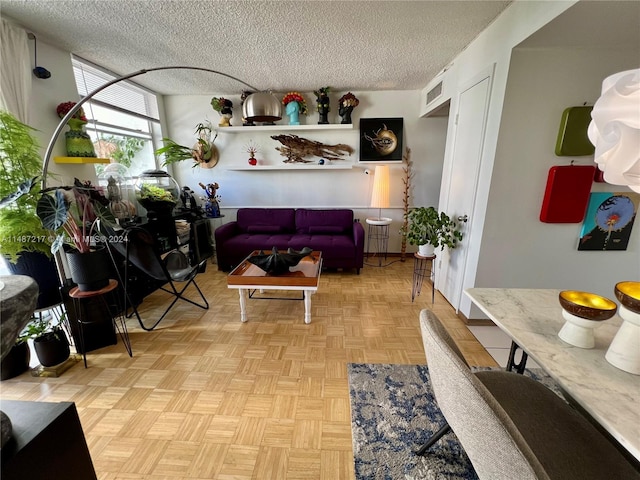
(123, 118)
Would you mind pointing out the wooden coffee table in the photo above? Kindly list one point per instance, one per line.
(248, 278)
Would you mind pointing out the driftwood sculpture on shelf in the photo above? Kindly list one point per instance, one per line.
(296, 148)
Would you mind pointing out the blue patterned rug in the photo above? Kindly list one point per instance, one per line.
(393, 412)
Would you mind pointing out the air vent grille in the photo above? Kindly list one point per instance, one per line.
(434, 93)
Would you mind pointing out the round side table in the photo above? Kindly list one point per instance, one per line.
(378, 233)
(114, 308)
(422, 268)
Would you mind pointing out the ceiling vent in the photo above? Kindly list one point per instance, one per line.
(434, 93)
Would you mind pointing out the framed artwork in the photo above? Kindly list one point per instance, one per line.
(608, 222)
(381, 139)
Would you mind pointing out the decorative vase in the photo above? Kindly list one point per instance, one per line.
(91, 270)
(212, 208)
(345, 113)
(293, 112)
(253, 161)
(225, 120)
(79, 142)
(323, 109)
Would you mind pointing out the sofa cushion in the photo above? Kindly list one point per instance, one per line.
(306, 218)
(284, 218)
(325, 229)
(331, 246)
(264, 229)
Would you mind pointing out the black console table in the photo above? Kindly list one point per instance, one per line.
(47, 443)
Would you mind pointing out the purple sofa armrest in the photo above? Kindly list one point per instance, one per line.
(358, 240)
(222, 234)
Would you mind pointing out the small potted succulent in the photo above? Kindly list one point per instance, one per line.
(429, 230)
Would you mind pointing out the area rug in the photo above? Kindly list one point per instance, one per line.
(393, 412)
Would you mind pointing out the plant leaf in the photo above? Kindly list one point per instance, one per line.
(52, 210)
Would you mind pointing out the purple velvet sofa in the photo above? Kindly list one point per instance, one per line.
(332, 231)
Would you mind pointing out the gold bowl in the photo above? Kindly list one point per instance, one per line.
(628, 293)
(587, 305)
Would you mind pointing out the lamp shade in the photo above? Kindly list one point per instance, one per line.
(615, 129)
(262, 107)
(380, 194)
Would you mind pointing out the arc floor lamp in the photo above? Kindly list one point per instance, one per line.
(260, 106)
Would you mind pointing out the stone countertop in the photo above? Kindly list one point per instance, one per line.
(533, 318)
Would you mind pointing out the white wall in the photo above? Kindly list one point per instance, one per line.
(47, 94)
(517, 249)
(499, 227)
(315, 188)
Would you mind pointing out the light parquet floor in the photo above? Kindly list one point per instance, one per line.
(208, 397)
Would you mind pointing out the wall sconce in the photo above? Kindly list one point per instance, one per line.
(615, 129)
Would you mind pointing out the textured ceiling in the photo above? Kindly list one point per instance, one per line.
(278, 45)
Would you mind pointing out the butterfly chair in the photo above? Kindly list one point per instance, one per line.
(511, 426)
(141, 251)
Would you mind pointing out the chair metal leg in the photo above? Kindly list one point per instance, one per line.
(434, 438)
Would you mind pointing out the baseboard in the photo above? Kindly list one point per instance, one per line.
(475, 322)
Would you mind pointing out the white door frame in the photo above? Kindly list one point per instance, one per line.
(486, 73)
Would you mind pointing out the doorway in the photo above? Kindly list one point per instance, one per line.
(470, 124)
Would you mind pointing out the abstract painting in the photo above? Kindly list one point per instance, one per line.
(608, 222)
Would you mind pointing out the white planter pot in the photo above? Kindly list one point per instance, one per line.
(426, 250)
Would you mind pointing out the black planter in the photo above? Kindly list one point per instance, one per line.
(16, 362)
(91, 270)
(52, 348)
(44, 271)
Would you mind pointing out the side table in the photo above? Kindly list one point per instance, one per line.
(47, 443)
(378, 233)
(422, 268)
(116, 311)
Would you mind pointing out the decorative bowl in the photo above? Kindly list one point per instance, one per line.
(628, 293)
(587, 305)
(583, 312)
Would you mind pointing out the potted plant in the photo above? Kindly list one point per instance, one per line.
(17, 360)
(24, 242)
(223, 106)
(429, 230)
(49, 340)
(204, 153)
(73, 212)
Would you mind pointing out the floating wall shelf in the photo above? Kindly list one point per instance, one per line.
(287, 128)
(80, 160)
(313, 166)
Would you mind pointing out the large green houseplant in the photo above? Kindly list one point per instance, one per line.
(427, 226)
(24, 242)
(20, 166)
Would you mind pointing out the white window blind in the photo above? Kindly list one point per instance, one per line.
(125, 95)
